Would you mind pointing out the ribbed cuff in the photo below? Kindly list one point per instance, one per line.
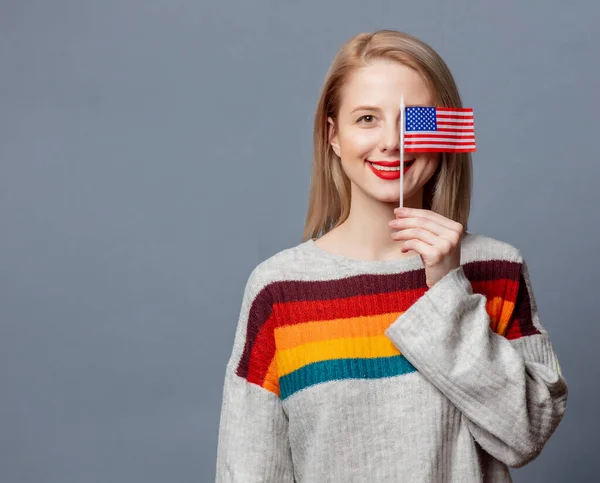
(445, 297)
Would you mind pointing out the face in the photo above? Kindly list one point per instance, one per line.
(367, 130)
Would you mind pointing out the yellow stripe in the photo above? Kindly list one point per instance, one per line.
(505, 316)
(289, 360)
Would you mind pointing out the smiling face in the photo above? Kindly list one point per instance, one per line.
(367, 130)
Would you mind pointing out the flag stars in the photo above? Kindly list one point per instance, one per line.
(421, 119)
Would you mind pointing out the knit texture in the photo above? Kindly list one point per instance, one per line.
(346, 370)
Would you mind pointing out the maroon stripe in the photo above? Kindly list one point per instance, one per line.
(369, 284)
(260, 310)
(521, 323)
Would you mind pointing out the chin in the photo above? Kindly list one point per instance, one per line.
(390, 199)
(387, 197)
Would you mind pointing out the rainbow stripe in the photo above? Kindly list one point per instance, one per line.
(302, 333)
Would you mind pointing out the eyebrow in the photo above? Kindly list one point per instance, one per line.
(374, 108)
(365, 108)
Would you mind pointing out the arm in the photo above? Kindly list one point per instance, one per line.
(510, 386)
(253, 432)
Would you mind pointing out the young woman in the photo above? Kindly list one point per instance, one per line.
(391, 344)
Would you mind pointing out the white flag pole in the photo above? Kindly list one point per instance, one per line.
(402, 124)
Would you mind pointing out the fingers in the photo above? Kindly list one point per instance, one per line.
(419, 222)
(422, 248)
(442, 227)
(405, 212)
(425, 236)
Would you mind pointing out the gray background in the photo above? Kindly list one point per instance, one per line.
(153, 152)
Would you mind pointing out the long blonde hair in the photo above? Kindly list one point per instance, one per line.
(448, 192)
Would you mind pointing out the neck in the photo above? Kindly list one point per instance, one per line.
(366, 232)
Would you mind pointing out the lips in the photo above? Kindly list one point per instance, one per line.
(389, 174)
(391, 164)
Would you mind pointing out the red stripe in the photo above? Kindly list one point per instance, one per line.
(442, 150)
(458, 109)
(465, 132)
(457, 123)
(358, 305)
(450, 116)
(521, 320)
(261, 352)
(376, 304)
(451, 136)
(455, 114)
(443, 129)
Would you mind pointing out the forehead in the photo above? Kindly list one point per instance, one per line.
(381, 83)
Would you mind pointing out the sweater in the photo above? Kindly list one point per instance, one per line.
(347, 370)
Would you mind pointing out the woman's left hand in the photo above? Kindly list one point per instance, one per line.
(433, 236)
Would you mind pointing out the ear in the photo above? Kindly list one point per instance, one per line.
(333, 137)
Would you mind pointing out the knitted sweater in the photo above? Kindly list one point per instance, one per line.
(347, 370)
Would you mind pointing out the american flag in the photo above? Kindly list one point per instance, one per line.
(439, 129)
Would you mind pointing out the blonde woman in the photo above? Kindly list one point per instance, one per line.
(390, 344)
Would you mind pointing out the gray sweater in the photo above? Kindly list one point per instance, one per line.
(346, 370)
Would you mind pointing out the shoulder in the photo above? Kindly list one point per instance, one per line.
(286, 264)
(479, 247)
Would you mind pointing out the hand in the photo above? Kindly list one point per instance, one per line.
(433, 236)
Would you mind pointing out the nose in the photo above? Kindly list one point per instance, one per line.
(390, 138)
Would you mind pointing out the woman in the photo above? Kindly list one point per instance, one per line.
(390, 345)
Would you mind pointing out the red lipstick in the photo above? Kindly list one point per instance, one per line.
(389, 174)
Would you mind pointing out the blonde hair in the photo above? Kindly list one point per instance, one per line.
(448, 192)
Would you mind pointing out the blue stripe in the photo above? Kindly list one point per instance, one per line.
(337, 369)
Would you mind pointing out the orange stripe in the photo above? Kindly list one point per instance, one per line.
(271, 382)
(294, 335)
(507, 311)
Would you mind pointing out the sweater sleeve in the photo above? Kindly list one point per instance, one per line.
(509, 386)
(253, 432)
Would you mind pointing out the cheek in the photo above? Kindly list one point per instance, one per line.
(358, 143)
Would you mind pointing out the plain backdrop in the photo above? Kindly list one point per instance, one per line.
(153, 152)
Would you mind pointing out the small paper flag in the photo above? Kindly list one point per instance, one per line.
(439, 129)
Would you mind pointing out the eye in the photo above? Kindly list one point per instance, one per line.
(364, 117)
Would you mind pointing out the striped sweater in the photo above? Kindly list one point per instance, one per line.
(346, 370)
